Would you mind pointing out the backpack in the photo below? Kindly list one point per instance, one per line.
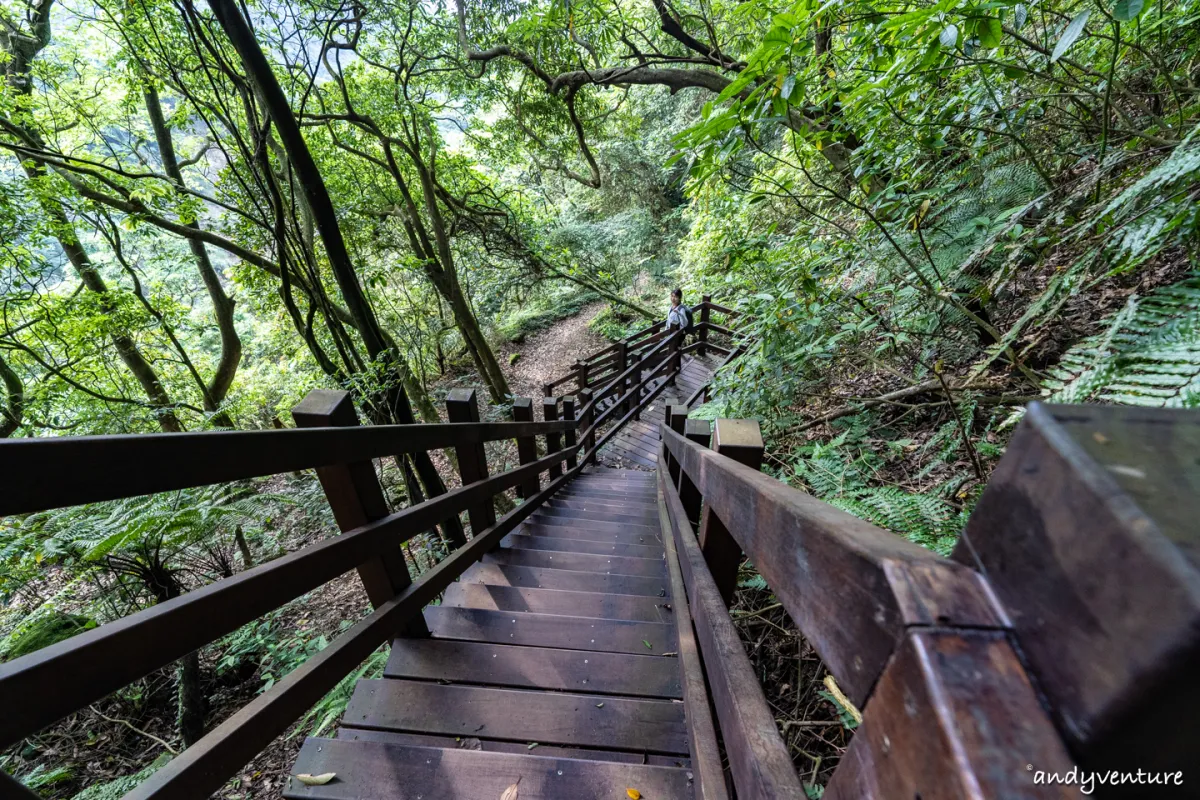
(687, 313)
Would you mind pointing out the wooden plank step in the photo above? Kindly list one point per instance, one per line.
(608, 472)
(620, 723)
(571, 544)
(594, 494)
(585, 523)
(621, 486)
(380, 770)
(571, 580)
(494, 746)
(645, 518)
(557, 601)
(550, 630)
(566, 531)
(610, 505)
(534, 667)
(623, 481)
(581, 562)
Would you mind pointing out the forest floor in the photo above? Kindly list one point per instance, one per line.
(549, 354)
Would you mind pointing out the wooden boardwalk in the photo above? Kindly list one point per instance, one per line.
(550, 662)
(636, 446)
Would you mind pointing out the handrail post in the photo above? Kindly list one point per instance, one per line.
(462, 405)
(586, 415)
(700, 432)
(676, 421)
(356, 498)
(705, 315)
(741, 440)
(547, 390)
(522, 411)
(622, 356)
(569, 440)
(553, 440)
(632, 393)
(581, 374)
(676, 355)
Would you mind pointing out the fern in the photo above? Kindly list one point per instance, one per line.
(1148, 355)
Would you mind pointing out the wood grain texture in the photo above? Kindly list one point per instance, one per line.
(563, 531)
(574, 544)
(549, 578)
(495, 746)
(560, 718)
(377, 769)
(954, 718)
(552, 601)
(549, 630)
(758, 758)
(617, 565)
(534, 667)
(851, 588)
(1087, 532)
(702, 735)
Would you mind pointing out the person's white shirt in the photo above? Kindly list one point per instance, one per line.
(677, 316)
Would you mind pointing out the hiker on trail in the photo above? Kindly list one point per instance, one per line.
(680, 315)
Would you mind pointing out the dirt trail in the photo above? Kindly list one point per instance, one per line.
(550, 353)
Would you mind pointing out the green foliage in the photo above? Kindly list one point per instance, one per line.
(1147, 355)
(116, 789)
(543, 309)
(42, 631)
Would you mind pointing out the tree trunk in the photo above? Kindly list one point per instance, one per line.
(193, 706)
(11, 413)
(231, 344)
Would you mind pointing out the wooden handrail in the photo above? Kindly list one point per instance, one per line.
(44, 685)
(759, 760)
(32, 476)
(951, 713)
(202, 769)
(853, 588)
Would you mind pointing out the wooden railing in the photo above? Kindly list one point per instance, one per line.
(602, 367)
(1063, 581)
(40, 474)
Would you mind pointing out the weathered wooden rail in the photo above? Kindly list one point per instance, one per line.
(1065, 630)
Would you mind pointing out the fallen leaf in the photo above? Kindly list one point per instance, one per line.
(599, 705)
(315, 780)
(633, 794)
(470, 744)
(671, 654)
(511, 792)
(648, 645)
(531, 745)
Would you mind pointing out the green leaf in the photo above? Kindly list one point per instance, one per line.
(1126, 10)
(949, 36)
(1070, 34)
(987, 29)
(1020, 14)
(648, 645)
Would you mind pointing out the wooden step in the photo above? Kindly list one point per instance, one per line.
(579, 493)
(645, 518)
(570, 580)
(550, 630)
(556, 601)
(534, 667)
(603, 505)
(494, 746)
(581, 562)
(570, 544)
(381, 771)
(558, 718)
(595, 524)
(638, 536)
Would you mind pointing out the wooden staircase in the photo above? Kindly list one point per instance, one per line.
(551, 666)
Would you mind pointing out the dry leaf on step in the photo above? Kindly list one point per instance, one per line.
(511, 792)
(470, 744)
(633, 794)
(316, 780)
